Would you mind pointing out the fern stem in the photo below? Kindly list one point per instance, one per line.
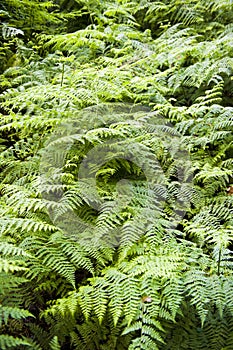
(141, 328)
(219, 260)
(62, 74)
(142, 316)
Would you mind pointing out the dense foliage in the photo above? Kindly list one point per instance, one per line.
(116, 175)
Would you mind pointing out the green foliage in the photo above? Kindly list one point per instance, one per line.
(116, 175)
(20, 21)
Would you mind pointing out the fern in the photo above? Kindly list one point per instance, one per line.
(116, 175)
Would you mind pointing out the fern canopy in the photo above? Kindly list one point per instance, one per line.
(116, 175)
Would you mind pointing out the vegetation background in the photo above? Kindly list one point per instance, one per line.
(143, 275)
